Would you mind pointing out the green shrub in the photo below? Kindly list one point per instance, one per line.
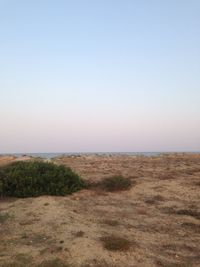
(36, 178)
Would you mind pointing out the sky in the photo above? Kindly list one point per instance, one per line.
(99, 75)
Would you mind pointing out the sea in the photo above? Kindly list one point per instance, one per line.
(54, 155)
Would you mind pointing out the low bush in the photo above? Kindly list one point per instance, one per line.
(115, 183)
(36, 178)
(115, 243)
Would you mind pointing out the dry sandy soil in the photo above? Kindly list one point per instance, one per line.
(159, 217)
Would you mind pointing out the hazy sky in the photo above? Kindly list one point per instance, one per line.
(99, 75)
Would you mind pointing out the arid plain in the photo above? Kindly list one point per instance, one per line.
(157, 219)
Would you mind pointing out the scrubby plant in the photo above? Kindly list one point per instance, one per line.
(115, 183)
(79, 234)
(115, 243)
(36, 178)
(111, 222)
(4, 217)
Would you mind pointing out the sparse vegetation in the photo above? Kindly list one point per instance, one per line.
(98, 263)
(154, 200)
(4, 217)
(14, 264)
(21, 260)
(54, 263)
(79, 234)
(191, 226)
(36, 178)
(111, 222)
(115, 243)
(24, 236)
(187, 212)
(114, 183)
(155, 218)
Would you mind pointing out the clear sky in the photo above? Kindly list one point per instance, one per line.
(99, 75)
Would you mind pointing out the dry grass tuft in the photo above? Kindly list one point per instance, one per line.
(188, 212)
(4, 217)
(21, 260)
(115, 243)
(54, 263)
(111, 222)
(113, 184)
(191, 226)
(79, 234)
(98, 263)
(154, 199)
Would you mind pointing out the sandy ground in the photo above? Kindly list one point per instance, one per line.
(159, 215)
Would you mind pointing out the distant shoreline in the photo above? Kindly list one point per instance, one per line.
(67, 154)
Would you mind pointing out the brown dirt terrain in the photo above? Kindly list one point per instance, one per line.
(155, 223)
